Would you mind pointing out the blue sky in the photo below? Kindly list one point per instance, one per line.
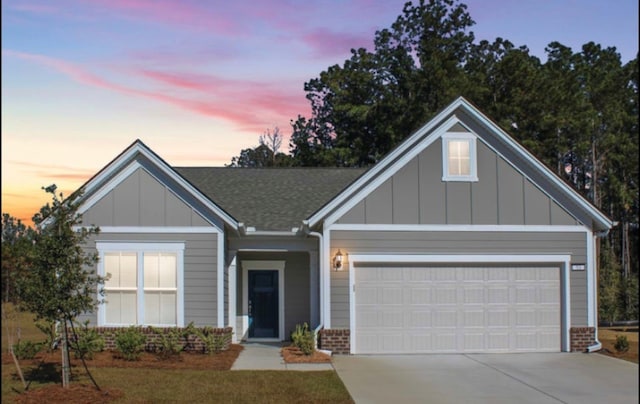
(198, 81)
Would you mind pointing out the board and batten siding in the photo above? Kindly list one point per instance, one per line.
(416, 194)
(414, 242)
(141, 200)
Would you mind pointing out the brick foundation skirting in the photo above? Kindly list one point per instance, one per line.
(191, 343)
(582, 338)
(338, 341)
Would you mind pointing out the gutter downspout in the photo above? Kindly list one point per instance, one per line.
(597, 346)
(308, 232)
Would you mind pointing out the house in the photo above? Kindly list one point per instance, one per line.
(459, 240)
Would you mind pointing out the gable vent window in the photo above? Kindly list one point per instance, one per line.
(459, 157)
(144, 285)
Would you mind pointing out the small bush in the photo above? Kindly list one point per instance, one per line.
(130, 342)
(214, 343)
(622, 343)
(48, 328)
(26, 349)
(87, 341)
(170, 343)
(303, 338)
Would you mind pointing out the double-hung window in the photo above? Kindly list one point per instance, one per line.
(459, 162)
(144, 285)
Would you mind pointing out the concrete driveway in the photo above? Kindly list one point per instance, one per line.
(489, 378)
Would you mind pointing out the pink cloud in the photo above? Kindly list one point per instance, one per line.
(327, 43)
(53, 171)
(250, 105)
(180, 13)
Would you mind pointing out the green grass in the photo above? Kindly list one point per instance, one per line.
(14, 321)
(178, 386)
(203, 386)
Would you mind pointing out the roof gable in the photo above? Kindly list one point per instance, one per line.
(457, 116)
(139, 156)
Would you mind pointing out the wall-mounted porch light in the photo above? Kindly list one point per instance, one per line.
(337, 261)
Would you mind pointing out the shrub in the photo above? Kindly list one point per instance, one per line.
(169, 343)
(48, 328)
(622, 343)
(214, 343)
(87, 341)
(303, 338)
(130, 342)
(26, 349)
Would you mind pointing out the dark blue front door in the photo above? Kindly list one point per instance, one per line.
(263, 304)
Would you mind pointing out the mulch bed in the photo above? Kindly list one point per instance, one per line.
(291, 354)
(87, 393)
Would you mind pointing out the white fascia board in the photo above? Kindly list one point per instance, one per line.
(369, 185)
(158, 229)
(459, 228)
(460, 258)
(407, 147)
(126, 158)
(579, 199)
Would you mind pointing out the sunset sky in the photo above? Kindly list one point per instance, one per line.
(197, 81)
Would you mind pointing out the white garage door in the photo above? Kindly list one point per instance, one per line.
(457, 309)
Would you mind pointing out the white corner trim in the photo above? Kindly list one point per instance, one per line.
(564, 260)
(233, 313)
(459, 228)
(262, 266)
(220, 279)
(325, 273)
(592, 285)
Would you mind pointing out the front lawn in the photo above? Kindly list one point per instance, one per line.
(198, 386)
(189, 378)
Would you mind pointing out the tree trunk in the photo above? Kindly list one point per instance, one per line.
(66, 369)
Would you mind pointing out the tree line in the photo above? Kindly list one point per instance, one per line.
(577, 112)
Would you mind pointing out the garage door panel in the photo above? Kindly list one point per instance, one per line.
(457, 309)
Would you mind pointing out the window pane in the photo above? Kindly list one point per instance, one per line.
(151, 270)
(112, 269)
(128, 270)
(160, 308)
(168, 265)
(168, 308)
(122, 267)
(152, 308)
(121, 308)
(459, 158)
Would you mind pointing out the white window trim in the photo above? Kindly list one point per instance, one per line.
(140, 248)
(473, 156)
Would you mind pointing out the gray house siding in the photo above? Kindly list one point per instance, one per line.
(200, 277)
(141, 200)
(394, 242)
(416, 194)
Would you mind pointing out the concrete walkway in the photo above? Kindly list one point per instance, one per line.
(266, 356)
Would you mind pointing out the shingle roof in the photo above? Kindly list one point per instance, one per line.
(270, 198)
